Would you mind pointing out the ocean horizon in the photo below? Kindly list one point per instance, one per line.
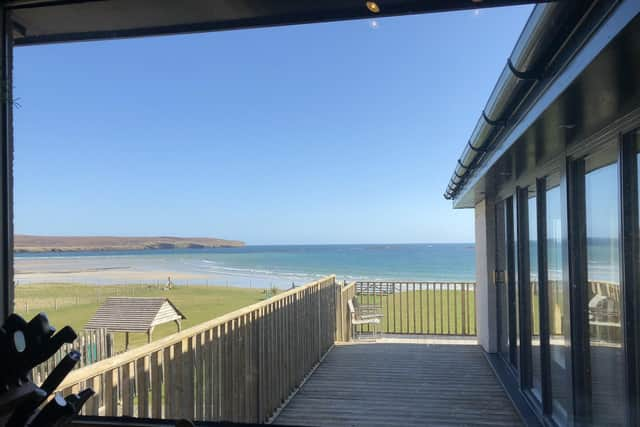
(252, 265)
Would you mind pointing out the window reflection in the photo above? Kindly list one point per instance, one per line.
(534, 293)
(603, 293)
(558, 315)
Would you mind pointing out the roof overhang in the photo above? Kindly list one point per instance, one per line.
(543, 115)
(50, 21)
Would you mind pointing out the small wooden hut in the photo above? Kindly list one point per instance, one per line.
(135, 314)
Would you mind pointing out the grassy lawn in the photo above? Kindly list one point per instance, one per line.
(430, 312)
(77, 303)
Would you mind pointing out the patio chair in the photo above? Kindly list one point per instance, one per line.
(367, 311)
(364, 316)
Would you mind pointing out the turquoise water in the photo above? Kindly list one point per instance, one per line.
(262, 266)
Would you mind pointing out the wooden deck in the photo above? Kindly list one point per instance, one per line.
(401, 383)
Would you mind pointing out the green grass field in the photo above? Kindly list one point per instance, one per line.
(77, 303)
(431, 312)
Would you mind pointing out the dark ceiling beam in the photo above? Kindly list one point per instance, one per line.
(266, 14)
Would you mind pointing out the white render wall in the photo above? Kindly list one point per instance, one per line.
(486, 314)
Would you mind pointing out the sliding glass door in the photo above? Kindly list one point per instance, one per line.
(603, 295)
(557, 306)
(568, 286)
(533, 297)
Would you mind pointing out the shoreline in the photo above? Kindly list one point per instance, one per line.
(253, 266)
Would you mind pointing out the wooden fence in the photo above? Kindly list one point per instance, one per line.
(435, 308)
(343, 317)
(93, 346)
(239, 367)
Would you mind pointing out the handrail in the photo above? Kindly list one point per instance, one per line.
(130, 356)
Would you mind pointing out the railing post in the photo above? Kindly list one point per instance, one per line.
(319, 334)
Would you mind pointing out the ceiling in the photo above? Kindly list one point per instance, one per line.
(51, 21)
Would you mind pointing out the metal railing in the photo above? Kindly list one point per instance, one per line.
(434, 308)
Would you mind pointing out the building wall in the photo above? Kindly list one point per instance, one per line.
(486, 312)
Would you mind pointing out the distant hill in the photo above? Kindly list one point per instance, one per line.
(28, 243)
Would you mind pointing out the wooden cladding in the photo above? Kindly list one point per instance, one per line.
(239, 367)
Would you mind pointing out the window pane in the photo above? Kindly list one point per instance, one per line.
(603, 289)
(533, 297)
(559, 353)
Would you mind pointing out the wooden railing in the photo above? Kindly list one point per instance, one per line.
(435, 308)
(343, 318)
(239, 367)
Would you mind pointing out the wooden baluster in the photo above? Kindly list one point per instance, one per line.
(92, 407)
(240, 377)
(216, 367)
(111, 393)
(142, 374)
(255, 355)
(156, 384)
(169, 383)
(261, 365)
(200, 371)
(227, 363)
(128, 378)
(188, 375)
(209, 375)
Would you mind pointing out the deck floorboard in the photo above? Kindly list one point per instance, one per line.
(373, 384)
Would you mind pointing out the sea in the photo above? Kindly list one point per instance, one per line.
(253, 266)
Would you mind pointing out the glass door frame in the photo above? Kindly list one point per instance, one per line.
(538, 189)
(500, 277)
(524, 300)
(629, 248)
(628, 152)
(512, 280)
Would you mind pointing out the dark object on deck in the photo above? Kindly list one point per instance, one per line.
(134, 314)
(22, 347)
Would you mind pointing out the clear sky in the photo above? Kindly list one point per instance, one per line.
(329, 133)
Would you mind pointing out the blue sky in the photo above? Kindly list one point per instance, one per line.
(330, 133)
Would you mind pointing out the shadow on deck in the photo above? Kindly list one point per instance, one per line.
(397, 381)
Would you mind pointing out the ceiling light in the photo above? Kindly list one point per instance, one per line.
(373, 7)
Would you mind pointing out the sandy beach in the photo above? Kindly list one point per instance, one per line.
(99, 271)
